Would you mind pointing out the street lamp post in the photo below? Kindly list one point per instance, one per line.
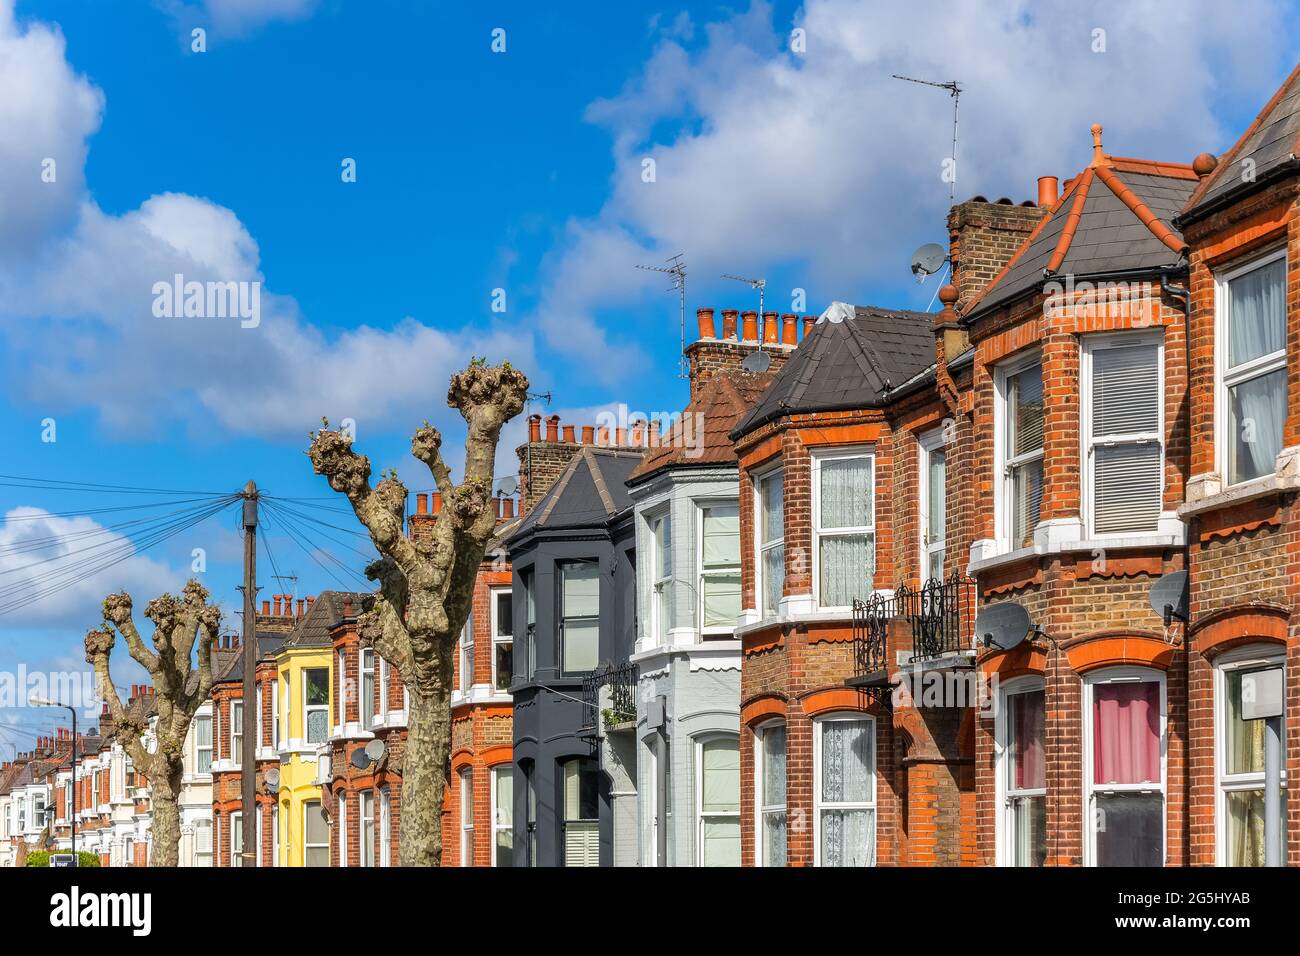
(42, 702)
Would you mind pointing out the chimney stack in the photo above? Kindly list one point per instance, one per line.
(982, 238)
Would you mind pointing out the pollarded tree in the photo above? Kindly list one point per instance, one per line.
(180, 688)
(426, 584)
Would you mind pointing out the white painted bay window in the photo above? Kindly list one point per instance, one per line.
(366, 815)
(202, 744)
(466, 782)
(719, 569)
(316, 835)
(367, 705)
(933, 472)
(236, 731)
(466, 665)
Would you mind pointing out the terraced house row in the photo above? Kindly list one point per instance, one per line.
(1011, 583)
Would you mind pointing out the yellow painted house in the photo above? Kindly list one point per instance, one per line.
(306, 712)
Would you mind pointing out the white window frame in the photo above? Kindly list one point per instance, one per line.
(563, 635)
(465, 658)
(1003, 487)
(1248, 371)
(497, 826)
(818, 803)
(927, 444)
(342, 828)
(366, 824)
(366, 710)
(275, 713)
(275, 834)
(819, 458)
(498, 638)
(761, 809)
(198, 746)
(385, 827)
(760, 589)
(384, 677)
(1088, 444)
(1248, 657)
(307, 710)
(307, 807)
(235, 857)
(1003, 792)
(661, 583)
(1122, 674)
(465, 781)
(236, 748)
(203, 857)
(341, 697)
(701, 816)
(259, 714)
(701, 506)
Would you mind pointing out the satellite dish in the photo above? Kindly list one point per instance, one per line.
(375, 749)
(1002, 625)
(272, 778)
(927, 260)
(507, 486)
(361, 760)
(757, 362)
(1168, 596)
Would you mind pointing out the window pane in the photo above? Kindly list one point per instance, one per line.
(848, 565)
(846, 761)
(1027, 502)
(774, 839)
(664, 547)
(1025, 719)
(846, 493)
(318, 685)
(721, 537)
(581, 590)
(847, 837)
(721, 600)
(505, 664)
(936, 484)
(1126, 733)
(581, 646)
(317, 829)
(580, 790)
(1130, 830)
(1257, 410)
(1125, 390)
(773, 578)
(1127, 488)
(503, 815)
(505, 612)
(1025, 410)
(1244, 812)
(316, 726)
(721, 783)
(772, 522)
(1245, 738)
(1257, 308)
(721, 841)
(1029, 815)
(773, 765)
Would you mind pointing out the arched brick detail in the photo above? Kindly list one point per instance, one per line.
(461, 758)
(1088, 652)
(836, 698)
(495, 755)
(1240, 624)
(761, 708)
(1017, 662)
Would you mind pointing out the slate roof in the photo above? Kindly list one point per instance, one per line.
(313, 628)
(1272, 141)
(229, 665)
(590, 492)
(702, 436)
(1115, 217)
(853, 358)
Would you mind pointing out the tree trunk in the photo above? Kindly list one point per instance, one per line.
(166, 824)
(424, 781)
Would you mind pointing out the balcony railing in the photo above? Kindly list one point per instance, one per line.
(941, 615)
(618, 706)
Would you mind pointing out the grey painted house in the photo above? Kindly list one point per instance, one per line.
(574, 564)
(688, 660)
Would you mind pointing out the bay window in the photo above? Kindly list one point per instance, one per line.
(1124, 738)
(503, 639)
(770, 495)
(341, 691)
(1252, 367)
(844, 526)
(1240, 763)
(933, 472)
(580, 616)
(661, 604)
(275, 713)
(530, 624)
(1020, 451)
(719, 570)
(769, 760)
(203, 744)
(844, 789)
(367, 706)
(1123, 396)
(581, 812)
(717, 799)
(316, 700)
(503, 814)
(1022, 824)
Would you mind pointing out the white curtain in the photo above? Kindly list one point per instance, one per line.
(846, 493)
(773, 578)
(1258, 313)
(848, 566)
(1258, 412)
(846, 501)
(1257, 316)
(847, 834)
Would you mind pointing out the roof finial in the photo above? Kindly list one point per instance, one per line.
(1097, 156)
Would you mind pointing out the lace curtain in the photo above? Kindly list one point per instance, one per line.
(846, 501)
(1257, 312)
(848, 833)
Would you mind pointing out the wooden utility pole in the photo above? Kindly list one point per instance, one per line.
(248, 750)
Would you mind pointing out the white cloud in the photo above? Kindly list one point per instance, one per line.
(236, 17)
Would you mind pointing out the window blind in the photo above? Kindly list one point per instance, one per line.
(1126, 459)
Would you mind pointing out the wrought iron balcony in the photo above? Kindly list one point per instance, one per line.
(616, 706)
(940, 614)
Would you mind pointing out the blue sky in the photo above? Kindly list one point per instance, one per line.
(478, 170)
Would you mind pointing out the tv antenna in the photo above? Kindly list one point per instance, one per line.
(954, 90)
(292, 577)
(677, 269)
(759, 361)
(759, 284)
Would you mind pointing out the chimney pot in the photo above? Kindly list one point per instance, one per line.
(310, 598)
(705, 319)
(654, 433)
(749, 327)
(568, 435)
(636, 435)
(508, 507)
(620, 437)
(1048, 190)
(789, 329)
(347, 607)
(422, 504)
(266, 608)
(588, 434)
(534, 427)
(496, 508)
(603, 438)
(729, 317)
(769, 327)
(553, 428)
(301, 606)
(808, 322)
(278, 606)
(437, 502)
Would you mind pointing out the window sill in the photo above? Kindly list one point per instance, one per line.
(985, 557)
(1274, 484)
(789, 620)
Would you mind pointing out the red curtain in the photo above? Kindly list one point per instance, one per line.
(1126, 733)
